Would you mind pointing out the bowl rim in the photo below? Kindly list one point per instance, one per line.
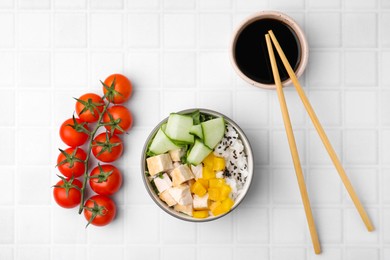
(182, 216)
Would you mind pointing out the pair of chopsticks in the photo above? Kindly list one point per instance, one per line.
(293, 147)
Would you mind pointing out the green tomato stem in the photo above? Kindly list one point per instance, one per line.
(86, 161)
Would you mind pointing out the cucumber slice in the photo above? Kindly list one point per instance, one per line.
(161, 142)
(178, 128)
(197, 130)
(198, 152)
(213, 131)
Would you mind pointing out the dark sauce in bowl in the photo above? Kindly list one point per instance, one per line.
(251, 53)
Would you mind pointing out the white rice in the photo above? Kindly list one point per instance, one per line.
(232, 149)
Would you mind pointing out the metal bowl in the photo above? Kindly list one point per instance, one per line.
(171, 211)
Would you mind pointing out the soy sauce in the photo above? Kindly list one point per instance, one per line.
(251, 52)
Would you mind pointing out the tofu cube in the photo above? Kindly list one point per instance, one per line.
(167, 198)
(159, 163)
(200, 203)
(181, 174)
(181, 194)
(176, 154)
(197, 171)
(162, 183)
(187, 209)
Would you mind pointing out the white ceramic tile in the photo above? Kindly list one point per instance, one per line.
(252, 225)
(288, 5)
(281, 253)
(179, 30)
(32, 252)
(360, 4)
(7, 225)
(216, 100)
(104, 64)
(139, 219)
(284, 187)
(386, 225)
(104, 5)
(327, 106)
(288, 226)
(179, 5)
(328, 254)
(34, 69)
(324, 29)
(28, 108)
(145, 99)
(143, 69)
(143, 4)
(143, 252)
(177, 253)
(7, 252)
(7, 30)
(217, 232)
(325, 68)
(317, 153)
(296, 109)
(357, 75)
(7, 4)
(172, 230)
(361, 108)
(215, 4)
(209, 253)
(105, 252)
(7, 191)
(365, 183)
(106, 30)
(175, 101)
(214, 30)
(362, 253)
(97, 235)
(319, 5)
(7, 138)
(69, 252)
(259, 140)
(143, 30)
(69, 4)
(324, 186)
(361, 146)
(280, 152)
(385, 3)
(32, 226)
(34, 30)
(8, 104)
(136, 139)
(385, 183)
(70, 30)
(33, 186)
(251, 253)
(186, 61)
(383, 24)
(385, 63)
(354, 229)
(260, 102)
(385, 151)
(68, 226)
(7, 68)
(329, 225)
(33, 147)
(357, 25)
(215, 70)
(70, 63)
(36, 4)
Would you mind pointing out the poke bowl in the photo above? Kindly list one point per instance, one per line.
(197, 165)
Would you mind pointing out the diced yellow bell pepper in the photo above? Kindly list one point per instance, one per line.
(198, 189)
(209, 161)
(204, 182)
(225, 191)
(216, 183)
(219, 164)
(200, 213)
(208, 173)
(216, 208)
(227, 204)
(214, 194)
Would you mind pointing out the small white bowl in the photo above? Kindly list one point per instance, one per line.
(170, 210)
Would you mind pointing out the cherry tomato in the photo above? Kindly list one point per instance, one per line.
(117, 88)
(73, 132)
(120, 119)
(67, 192)
(88, 107)
(106, 147)
(105, 179)
(71, 162)
(99, 210)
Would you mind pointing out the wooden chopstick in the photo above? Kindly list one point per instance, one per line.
(323, 136)
(293, 149)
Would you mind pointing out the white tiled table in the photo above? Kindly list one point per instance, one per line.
(176, 54)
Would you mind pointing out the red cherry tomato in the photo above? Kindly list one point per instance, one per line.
(120, 119)
(99, 210)
(71, 162)
(105, 179)
(117, 88)
(88, 107)
(107, 148)
(67, 192)
(73, 132)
